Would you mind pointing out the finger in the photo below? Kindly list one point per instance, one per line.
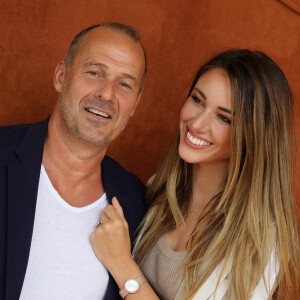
(99, 223)
(118, 207)
(104, 218)
(111, 212)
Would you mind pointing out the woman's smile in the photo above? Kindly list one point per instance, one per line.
(195, 141)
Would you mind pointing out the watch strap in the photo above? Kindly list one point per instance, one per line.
(140, 280)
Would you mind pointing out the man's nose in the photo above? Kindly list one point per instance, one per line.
(106, 91)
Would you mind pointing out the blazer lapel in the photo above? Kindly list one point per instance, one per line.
(111, 189)
(206, 292)
(22, 187)
(110, 184)
(208, 288)
(22, 191)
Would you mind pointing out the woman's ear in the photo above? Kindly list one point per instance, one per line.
(59, 76)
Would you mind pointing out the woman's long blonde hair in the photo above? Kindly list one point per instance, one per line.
(256, 209)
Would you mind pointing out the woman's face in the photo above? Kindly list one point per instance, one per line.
(205, 120)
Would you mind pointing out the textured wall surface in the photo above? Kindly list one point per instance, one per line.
(178, 36)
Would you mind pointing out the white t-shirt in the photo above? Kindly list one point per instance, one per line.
(62, 264)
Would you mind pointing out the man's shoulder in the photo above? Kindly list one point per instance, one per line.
(11, 133)
(118, 181)
(29, 136)
(129, 190)
(120, 174)
(11, 136)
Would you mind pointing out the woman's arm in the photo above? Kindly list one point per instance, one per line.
(111, 244)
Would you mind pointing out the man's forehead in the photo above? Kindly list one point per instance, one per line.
(106, 39)
(105, 36)
(99, 33)
(109, 43)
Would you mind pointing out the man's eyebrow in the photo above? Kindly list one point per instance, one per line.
(224, 109)
(130, 77)
(94, 63)
(200, 92)
(98, 64)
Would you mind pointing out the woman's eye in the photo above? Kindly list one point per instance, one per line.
(196, 99)
(224, 119)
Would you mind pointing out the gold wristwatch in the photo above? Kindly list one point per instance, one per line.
(132, 286)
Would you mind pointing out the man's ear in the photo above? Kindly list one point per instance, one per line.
(59, 76)
(136, 103)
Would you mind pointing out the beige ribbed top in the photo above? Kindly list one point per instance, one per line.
(159, 265)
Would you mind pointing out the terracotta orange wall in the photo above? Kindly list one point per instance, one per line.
(178, 36)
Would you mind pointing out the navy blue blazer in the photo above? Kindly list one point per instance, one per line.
(21, 152)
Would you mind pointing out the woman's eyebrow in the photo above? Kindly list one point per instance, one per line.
(224, 109)
(219, 107)
(200, 92)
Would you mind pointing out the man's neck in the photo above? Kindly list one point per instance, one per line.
(74, 167)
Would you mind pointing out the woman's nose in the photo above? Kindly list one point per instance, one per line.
(202, 122)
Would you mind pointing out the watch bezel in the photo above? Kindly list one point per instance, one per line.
(128, 286)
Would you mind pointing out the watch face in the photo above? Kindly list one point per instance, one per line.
(131, 286)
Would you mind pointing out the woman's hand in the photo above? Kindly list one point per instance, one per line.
(111, 244)
(111, 241)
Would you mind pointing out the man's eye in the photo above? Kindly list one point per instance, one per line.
(125, 85)
(93, 73)
(224, 119)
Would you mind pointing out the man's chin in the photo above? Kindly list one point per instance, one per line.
(95, 140)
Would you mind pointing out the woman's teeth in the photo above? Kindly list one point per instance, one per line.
(196, 141)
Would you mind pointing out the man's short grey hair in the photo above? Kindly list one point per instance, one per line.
(126, 29)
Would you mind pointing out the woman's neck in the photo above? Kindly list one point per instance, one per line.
(208, 181)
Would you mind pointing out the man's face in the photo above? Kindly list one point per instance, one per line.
(100, 90)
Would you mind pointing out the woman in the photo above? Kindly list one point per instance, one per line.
(221, 221)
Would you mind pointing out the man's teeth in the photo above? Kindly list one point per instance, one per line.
(195, 141)
(97, 112)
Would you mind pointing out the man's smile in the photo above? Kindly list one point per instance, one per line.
(98, 113)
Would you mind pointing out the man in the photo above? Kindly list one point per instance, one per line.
(55, 179)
